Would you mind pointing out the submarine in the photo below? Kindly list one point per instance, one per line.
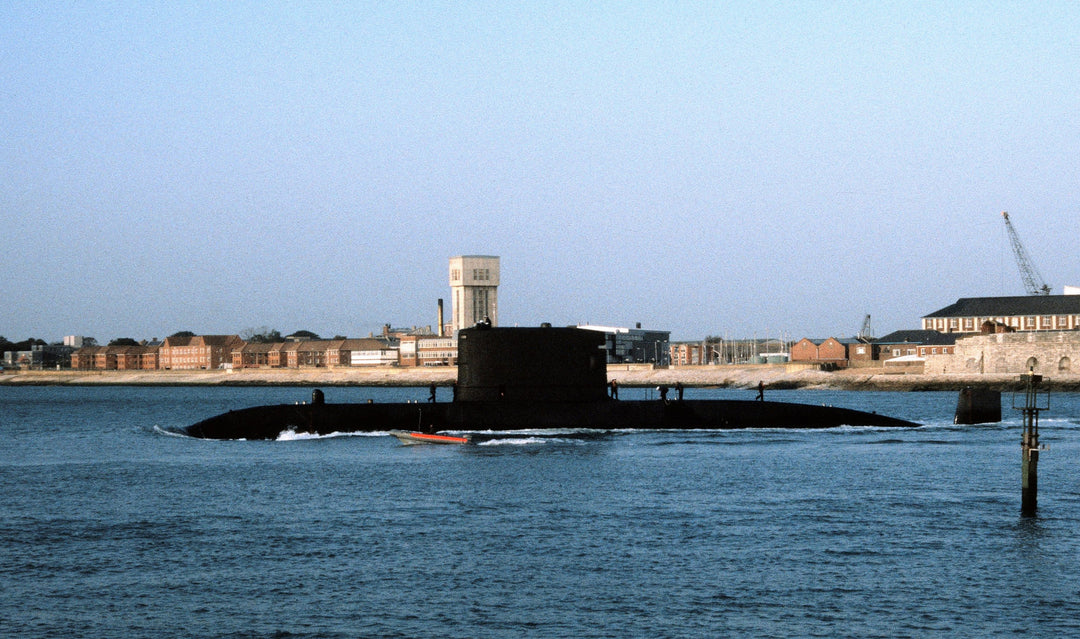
(526, 378)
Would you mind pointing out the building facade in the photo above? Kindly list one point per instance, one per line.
(829, 351)
(913, 344)
(688, 354)
(428, 350)
(1050, 353)
(474, 295)
(40, 356)
(634, 345)
(198, 351)
(1004, 314)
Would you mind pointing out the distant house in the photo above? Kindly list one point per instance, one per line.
(109, 358)
(316, 353)
(106, 358)
(40, 356)
(860, 352)
(149, 358)
(252, 355)
(1019, 313)
(914, 343)
(83, 358)
(427, 350)
(197, 352)
(687, 353)
(830, 351)
(374, 352)
(627, 345)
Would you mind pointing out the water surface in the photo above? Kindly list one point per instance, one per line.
(110, 525)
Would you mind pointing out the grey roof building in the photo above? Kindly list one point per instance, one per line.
(918, 337)
(1017, 313)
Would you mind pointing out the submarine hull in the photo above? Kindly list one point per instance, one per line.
(268, 422)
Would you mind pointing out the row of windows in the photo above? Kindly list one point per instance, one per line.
(1028, 322)
(480, 305)
(441, 343)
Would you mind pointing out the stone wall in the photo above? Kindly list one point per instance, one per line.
(1050, 353)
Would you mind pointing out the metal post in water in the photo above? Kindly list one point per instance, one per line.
(1029, 443)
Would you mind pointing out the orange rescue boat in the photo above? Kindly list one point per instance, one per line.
(411, 438)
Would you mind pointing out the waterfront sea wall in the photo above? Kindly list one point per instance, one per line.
(1053, 354)
(773, 376)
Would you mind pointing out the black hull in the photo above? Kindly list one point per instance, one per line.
(268, 422)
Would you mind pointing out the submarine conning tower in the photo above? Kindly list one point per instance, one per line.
(543, 364)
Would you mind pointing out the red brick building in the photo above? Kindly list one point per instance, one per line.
(114, 358)
(197, 352)
(823, 351)
(687, 353)
(252, 355)
(315, 353)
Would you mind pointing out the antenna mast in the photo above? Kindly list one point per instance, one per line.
(1033, 282)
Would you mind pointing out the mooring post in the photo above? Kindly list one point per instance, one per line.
(1029, 444)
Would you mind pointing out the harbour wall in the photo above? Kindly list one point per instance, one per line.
(1050, 353)
(950, 376)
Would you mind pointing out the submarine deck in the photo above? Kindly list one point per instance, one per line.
(268, 422)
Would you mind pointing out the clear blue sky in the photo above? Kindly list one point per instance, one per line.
(704, 168)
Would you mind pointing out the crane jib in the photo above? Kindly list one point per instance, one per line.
(1033, 282)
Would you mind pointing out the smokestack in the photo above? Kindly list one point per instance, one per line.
(440, 318)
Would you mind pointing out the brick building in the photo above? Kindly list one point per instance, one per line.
(197, 351)
(1019, 313)
(820, 351)
(687, 354)
(421, 350)
(115, 358)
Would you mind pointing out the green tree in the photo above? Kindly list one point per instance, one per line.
(183, 334)
(261, 335)
(123, 341)
(25, 345)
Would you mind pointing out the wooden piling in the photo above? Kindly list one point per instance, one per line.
(1029, 444)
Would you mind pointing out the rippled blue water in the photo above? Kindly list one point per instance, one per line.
(112, 527)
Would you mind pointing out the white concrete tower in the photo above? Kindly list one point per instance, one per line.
(474, 283)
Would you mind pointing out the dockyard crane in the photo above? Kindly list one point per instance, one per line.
(866, 334)
(1033, 282)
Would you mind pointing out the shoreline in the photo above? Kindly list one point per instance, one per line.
(773, 376)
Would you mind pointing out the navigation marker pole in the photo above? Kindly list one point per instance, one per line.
(1029, 443)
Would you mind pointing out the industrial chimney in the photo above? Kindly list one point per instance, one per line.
(440, 318)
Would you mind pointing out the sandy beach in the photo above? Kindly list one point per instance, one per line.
(773, 376)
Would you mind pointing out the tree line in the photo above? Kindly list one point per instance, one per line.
(261, 335)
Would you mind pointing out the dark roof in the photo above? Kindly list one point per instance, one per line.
(932, 338)
(819, 341)
(847, 341)
(1009, 306)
